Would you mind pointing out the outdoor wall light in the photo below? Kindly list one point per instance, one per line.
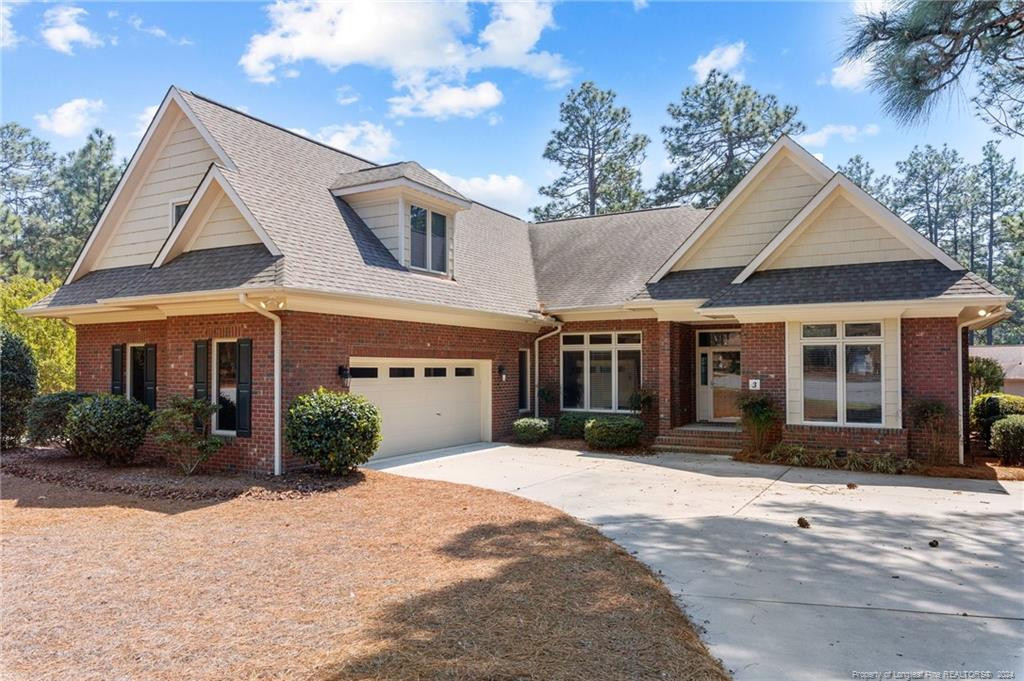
(982, 313)
(346, 375)
(503, 373)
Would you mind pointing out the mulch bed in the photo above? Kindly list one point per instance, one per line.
(382, 577)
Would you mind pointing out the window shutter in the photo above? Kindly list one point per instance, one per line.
(243, 424)
(149, 377)
(117, 370)
(201, 376)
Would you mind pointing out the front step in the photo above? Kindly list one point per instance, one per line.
(701, 439)
(695, 449)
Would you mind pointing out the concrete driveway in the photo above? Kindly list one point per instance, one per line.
(860, 592)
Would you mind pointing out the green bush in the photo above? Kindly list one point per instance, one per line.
(825, 460)
(987, 375)
(611, 432)
(183, 431)
(783, 453)
(885, 463)
(572, 423)
(529, 430)
(857, 462)
(48, 416)
(759, 415)
(1008, 440)
(641, 401)
(18, 385)
(988, 408)
(338, 431)
(110, 428)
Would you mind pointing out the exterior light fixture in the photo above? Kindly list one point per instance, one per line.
(503, 373)
(982, 313)
(346, 375)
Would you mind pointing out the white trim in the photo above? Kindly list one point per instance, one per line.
(840, 341)
(586, 347)
(173, 95)
(404, 183)
(886, 219)
(215, 389)
(174, 203)
(428, 247)
(795, 152)
(213, 175)
(700, 349)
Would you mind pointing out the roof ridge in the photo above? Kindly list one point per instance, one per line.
(617, 212)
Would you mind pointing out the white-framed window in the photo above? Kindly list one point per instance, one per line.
(428, 239)
(524, 379)
(843, 381)
(600, 370)
(224, 379)
(178, 208)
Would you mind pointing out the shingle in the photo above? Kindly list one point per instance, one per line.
(1010, 358)
(409, 170)
(690, 284)
(871, 282)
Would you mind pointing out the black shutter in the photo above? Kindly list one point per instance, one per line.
(201, 376)
(149, 377)
(117, 370)
(243, 404)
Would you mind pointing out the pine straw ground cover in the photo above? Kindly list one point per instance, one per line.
(385, 578)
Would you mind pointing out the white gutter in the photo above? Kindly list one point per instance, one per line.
(536, 366)
(243, 298)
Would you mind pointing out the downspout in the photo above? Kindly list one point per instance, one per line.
(244, 300)
(536, 365)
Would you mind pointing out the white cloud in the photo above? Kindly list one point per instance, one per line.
(852, 74)
(871, 7)
(726, 58)
(143, 119)
(62, 28)
(820, 156)
(848, 133)
(155, 31)
(9, 39)
(345, 95)
(424, 45)
(368, 140)
(445, 101)
(509, 193)
(639, 5)
(71, 118)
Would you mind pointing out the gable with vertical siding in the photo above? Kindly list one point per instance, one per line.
(225, 226)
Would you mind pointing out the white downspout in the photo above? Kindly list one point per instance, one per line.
(244, 300)
(536, 367)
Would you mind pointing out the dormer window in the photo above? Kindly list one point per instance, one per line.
(177, 210)
(428, 247)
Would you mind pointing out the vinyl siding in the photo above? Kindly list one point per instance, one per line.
(224, 227)
(175, 174)
(751, 224)
(381, 216)
(841, 235)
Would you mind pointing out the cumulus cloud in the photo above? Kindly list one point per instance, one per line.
(509, 193)
(63, 28)
(71, 118)
(852, 74)
(9, 39)
(726, 58)
(143, 119)
(848, 133)
(365, 139)
(156, 31)
(445, 101)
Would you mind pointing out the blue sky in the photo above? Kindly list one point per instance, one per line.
(469, 90)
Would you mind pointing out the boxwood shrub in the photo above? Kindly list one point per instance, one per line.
(571, 423)
(988, 408)
(610, 432)
(48, 416)
(338, 431)
(1008, 440)
(109, 428)
(529, 430)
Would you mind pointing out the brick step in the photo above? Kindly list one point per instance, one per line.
(693, 432)
(695, 449)
(710, 441)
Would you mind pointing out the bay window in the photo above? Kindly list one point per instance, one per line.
(842, 373)
(428, 240)
(600, 371)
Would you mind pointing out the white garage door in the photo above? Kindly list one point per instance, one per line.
(425, 404)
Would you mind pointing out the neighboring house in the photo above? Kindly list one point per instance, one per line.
(1011, 359)
(242, 263)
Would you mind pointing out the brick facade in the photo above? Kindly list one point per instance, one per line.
(929, 349)
(861, 440)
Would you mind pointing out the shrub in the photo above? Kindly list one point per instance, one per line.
(110, 428)
(48, 415)
(18, 385)
(987, 375)
(182, 429)
(759, 416)
(885, 463)
(938, 426)
(641, 401)
(857, 462)
(825, 460)
(1008, 440)
(338, 431)
(783, 453)
(610, 432)
(528, 430)
(988, 408)
(572, 423)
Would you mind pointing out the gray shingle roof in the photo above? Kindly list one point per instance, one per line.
(690, 284)
(606, 259)
(872, 282)
(409, 170)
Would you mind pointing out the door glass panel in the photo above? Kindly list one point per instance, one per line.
(629, 376)
(725, 383)
(572, 379)
(703, 368)
(864, 383)
(820, 399)
(600, 379)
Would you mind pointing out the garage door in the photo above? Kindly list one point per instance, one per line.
(425, 404)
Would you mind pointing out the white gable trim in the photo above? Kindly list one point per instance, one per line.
(214, 176)
(403, 183)
(785, 144)
(885, 218)
(173, 95)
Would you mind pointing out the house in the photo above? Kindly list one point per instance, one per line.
(242, 263)
(1011, 359)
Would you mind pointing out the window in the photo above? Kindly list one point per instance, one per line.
(600, 371)
(223, 375)
(464, 371)
(428, 251)
(137, 372)
(435, 372)
(363, 372)
(401, 372)
(842, 373)
(177, 210)
(225, 386)
(714, 339)
(524, 380)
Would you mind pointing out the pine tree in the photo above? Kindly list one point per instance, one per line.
(927, 189)
(863, 175)
(1001, 196)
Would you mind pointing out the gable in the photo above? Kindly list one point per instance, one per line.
(841, 234)
(756, 217)
(223, 226)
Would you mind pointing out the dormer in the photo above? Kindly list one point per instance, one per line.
(410, 210)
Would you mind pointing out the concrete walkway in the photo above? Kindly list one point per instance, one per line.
(861, 591)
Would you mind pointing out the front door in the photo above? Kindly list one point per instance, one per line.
(718, 376)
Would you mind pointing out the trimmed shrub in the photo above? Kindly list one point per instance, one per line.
(610, 432)
(48, 416)
(759, 415)
(18, 385)
(1008, 440)
(183, 431)
(988, 408)
(938, 425)
(109, 428)
(572, 423)
(529, 430)
(987, 375)
(338, 431)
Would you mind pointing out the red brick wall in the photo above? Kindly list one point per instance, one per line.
(862, 440)
(764, 358)
(930, 359)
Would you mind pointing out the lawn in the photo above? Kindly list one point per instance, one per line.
(386, 578)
